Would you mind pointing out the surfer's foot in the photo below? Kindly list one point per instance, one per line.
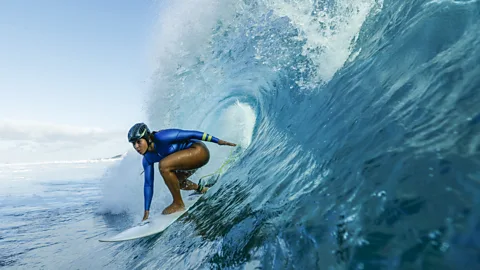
(201, 188)
(172, 208)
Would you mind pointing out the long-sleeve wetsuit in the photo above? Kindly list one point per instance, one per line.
(166, 142)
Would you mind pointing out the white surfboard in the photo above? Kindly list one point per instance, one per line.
(155, 225)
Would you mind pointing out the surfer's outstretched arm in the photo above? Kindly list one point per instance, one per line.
(147, 187)
(178, 135)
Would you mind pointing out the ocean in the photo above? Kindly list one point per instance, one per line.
(358, 125)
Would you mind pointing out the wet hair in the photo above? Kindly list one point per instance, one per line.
(150, 137)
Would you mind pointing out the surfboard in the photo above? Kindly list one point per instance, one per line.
(155, 225)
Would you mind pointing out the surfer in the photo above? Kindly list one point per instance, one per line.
(179, 154)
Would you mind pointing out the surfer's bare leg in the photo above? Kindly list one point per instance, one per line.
(188, 159)
(186, 184)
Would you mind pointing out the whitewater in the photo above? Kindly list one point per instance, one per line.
(358, 125)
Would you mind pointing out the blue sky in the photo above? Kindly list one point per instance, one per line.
(68, 66)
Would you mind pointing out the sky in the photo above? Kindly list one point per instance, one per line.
(73, 77)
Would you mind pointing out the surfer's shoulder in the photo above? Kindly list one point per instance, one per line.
(166, 134)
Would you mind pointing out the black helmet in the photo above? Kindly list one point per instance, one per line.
(137, 131)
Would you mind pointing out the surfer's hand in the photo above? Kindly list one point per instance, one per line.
(222, 142)
(145, 215)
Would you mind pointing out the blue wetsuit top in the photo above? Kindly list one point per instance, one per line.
(166, 142)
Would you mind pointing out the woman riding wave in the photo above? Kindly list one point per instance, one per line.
(179, 154)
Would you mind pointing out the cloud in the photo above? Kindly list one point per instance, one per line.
(48, 132)
(27, 141)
